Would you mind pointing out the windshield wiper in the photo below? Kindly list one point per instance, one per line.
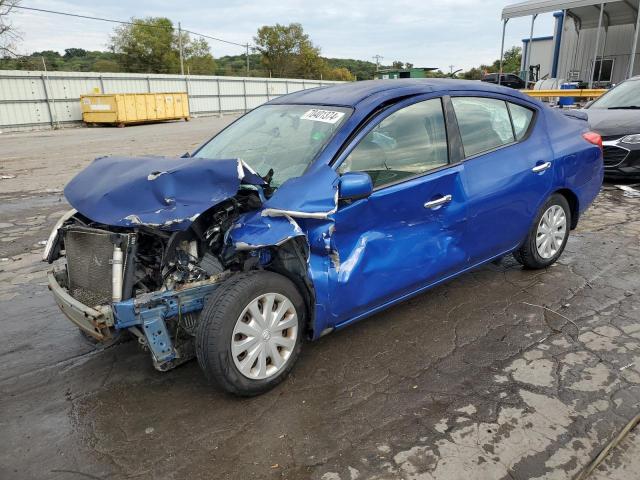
(629, 107)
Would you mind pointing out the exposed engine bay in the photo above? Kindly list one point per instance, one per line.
(150, 239)
(144, 266)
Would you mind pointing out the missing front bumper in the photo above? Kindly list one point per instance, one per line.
(95, 322)
(155, 316)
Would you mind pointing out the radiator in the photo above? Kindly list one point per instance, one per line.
(89, 252)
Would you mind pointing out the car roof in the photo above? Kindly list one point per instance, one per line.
(351, 93)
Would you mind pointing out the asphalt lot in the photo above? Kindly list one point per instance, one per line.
(500, 373)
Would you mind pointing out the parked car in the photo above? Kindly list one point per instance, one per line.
(616, 117)
(314, 211)
(507, 80)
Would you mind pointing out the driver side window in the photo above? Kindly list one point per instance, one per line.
(409, 142)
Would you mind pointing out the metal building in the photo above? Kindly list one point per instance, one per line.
(394, 73)
(539, 54)
(593, 41)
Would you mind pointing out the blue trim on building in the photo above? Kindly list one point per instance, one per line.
(556, 48)
(537, 39)
(525, 48)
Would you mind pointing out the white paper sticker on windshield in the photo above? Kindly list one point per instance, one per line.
(327, 116)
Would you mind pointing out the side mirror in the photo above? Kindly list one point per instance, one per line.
(355, 185)
(185, 155)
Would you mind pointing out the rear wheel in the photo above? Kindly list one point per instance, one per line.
(250, 332)
(548, 235)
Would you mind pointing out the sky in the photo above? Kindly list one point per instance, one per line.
(462, 33)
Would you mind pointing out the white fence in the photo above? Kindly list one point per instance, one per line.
(31, 100)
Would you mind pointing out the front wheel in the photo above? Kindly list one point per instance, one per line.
(250, 332)
(548, 235)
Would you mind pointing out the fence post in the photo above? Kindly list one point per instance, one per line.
(267, 82)
(46, 96)
(219, 97)
(148, 84)
(101, 84)
(286, 85)
(244, 90)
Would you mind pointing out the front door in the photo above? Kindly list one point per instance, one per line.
(410, 232)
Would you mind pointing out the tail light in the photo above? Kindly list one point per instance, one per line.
(593, 137)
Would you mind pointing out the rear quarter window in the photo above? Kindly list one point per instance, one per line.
(484, 124)
(521, 118)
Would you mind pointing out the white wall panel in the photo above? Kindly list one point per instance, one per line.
(23, 97)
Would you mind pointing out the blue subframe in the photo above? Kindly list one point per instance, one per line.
(151, 311)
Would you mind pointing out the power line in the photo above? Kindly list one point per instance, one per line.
(123, 22)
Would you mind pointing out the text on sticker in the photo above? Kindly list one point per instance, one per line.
(327, 116)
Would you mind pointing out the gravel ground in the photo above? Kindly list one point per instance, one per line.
(500, 373)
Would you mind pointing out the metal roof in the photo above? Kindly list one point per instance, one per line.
(585, 12)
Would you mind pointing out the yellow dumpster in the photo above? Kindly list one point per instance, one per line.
(123, 108)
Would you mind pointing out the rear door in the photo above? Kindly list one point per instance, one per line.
(508, 171)
(410, 232)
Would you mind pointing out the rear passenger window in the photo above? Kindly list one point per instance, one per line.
(521, 118)
(484, 124)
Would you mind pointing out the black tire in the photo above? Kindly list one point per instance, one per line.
(218, 319)
(528, 254)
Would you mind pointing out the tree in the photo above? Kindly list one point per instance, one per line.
(197, 56)
(152, 45)
(146, 46)
(397, 64)
(287, 51)
(104, 65)
(511, 62)
(74, 52)
(8, 34)
(339, 74)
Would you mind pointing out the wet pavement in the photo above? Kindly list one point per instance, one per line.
(500, 373)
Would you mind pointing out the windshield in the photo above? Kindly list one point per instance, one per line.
(282, 138)
(625, 95)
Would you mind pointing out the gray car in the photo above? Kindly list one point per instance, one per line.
(616, 117)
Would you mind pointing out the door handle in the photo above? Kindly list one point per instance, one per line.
(541, 168)
(438, 202)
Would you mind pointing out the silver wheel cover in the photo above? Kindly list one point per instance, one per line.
(264, 336)
(552, 230)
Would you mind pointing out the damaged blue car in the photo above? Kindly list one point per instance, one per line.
(312, 212)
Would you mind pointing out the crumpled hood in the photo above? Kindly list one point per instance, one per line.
(169, 193)
(610, 123)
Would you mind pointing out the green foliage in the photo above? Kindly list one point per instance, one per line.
(152, 45)
(73, 60)
(146, 46)
(286, 51)
(359, 69)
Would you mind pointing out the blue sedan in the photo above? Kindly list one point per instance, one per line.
(312, 212)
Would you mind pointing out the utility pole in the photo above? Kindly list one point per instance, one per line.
(180, 48)
(247, 46)
(451, 69)
(377, 58)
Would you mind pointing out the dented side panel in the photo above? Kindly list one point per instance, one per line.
(389, 245)
(255, 230)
